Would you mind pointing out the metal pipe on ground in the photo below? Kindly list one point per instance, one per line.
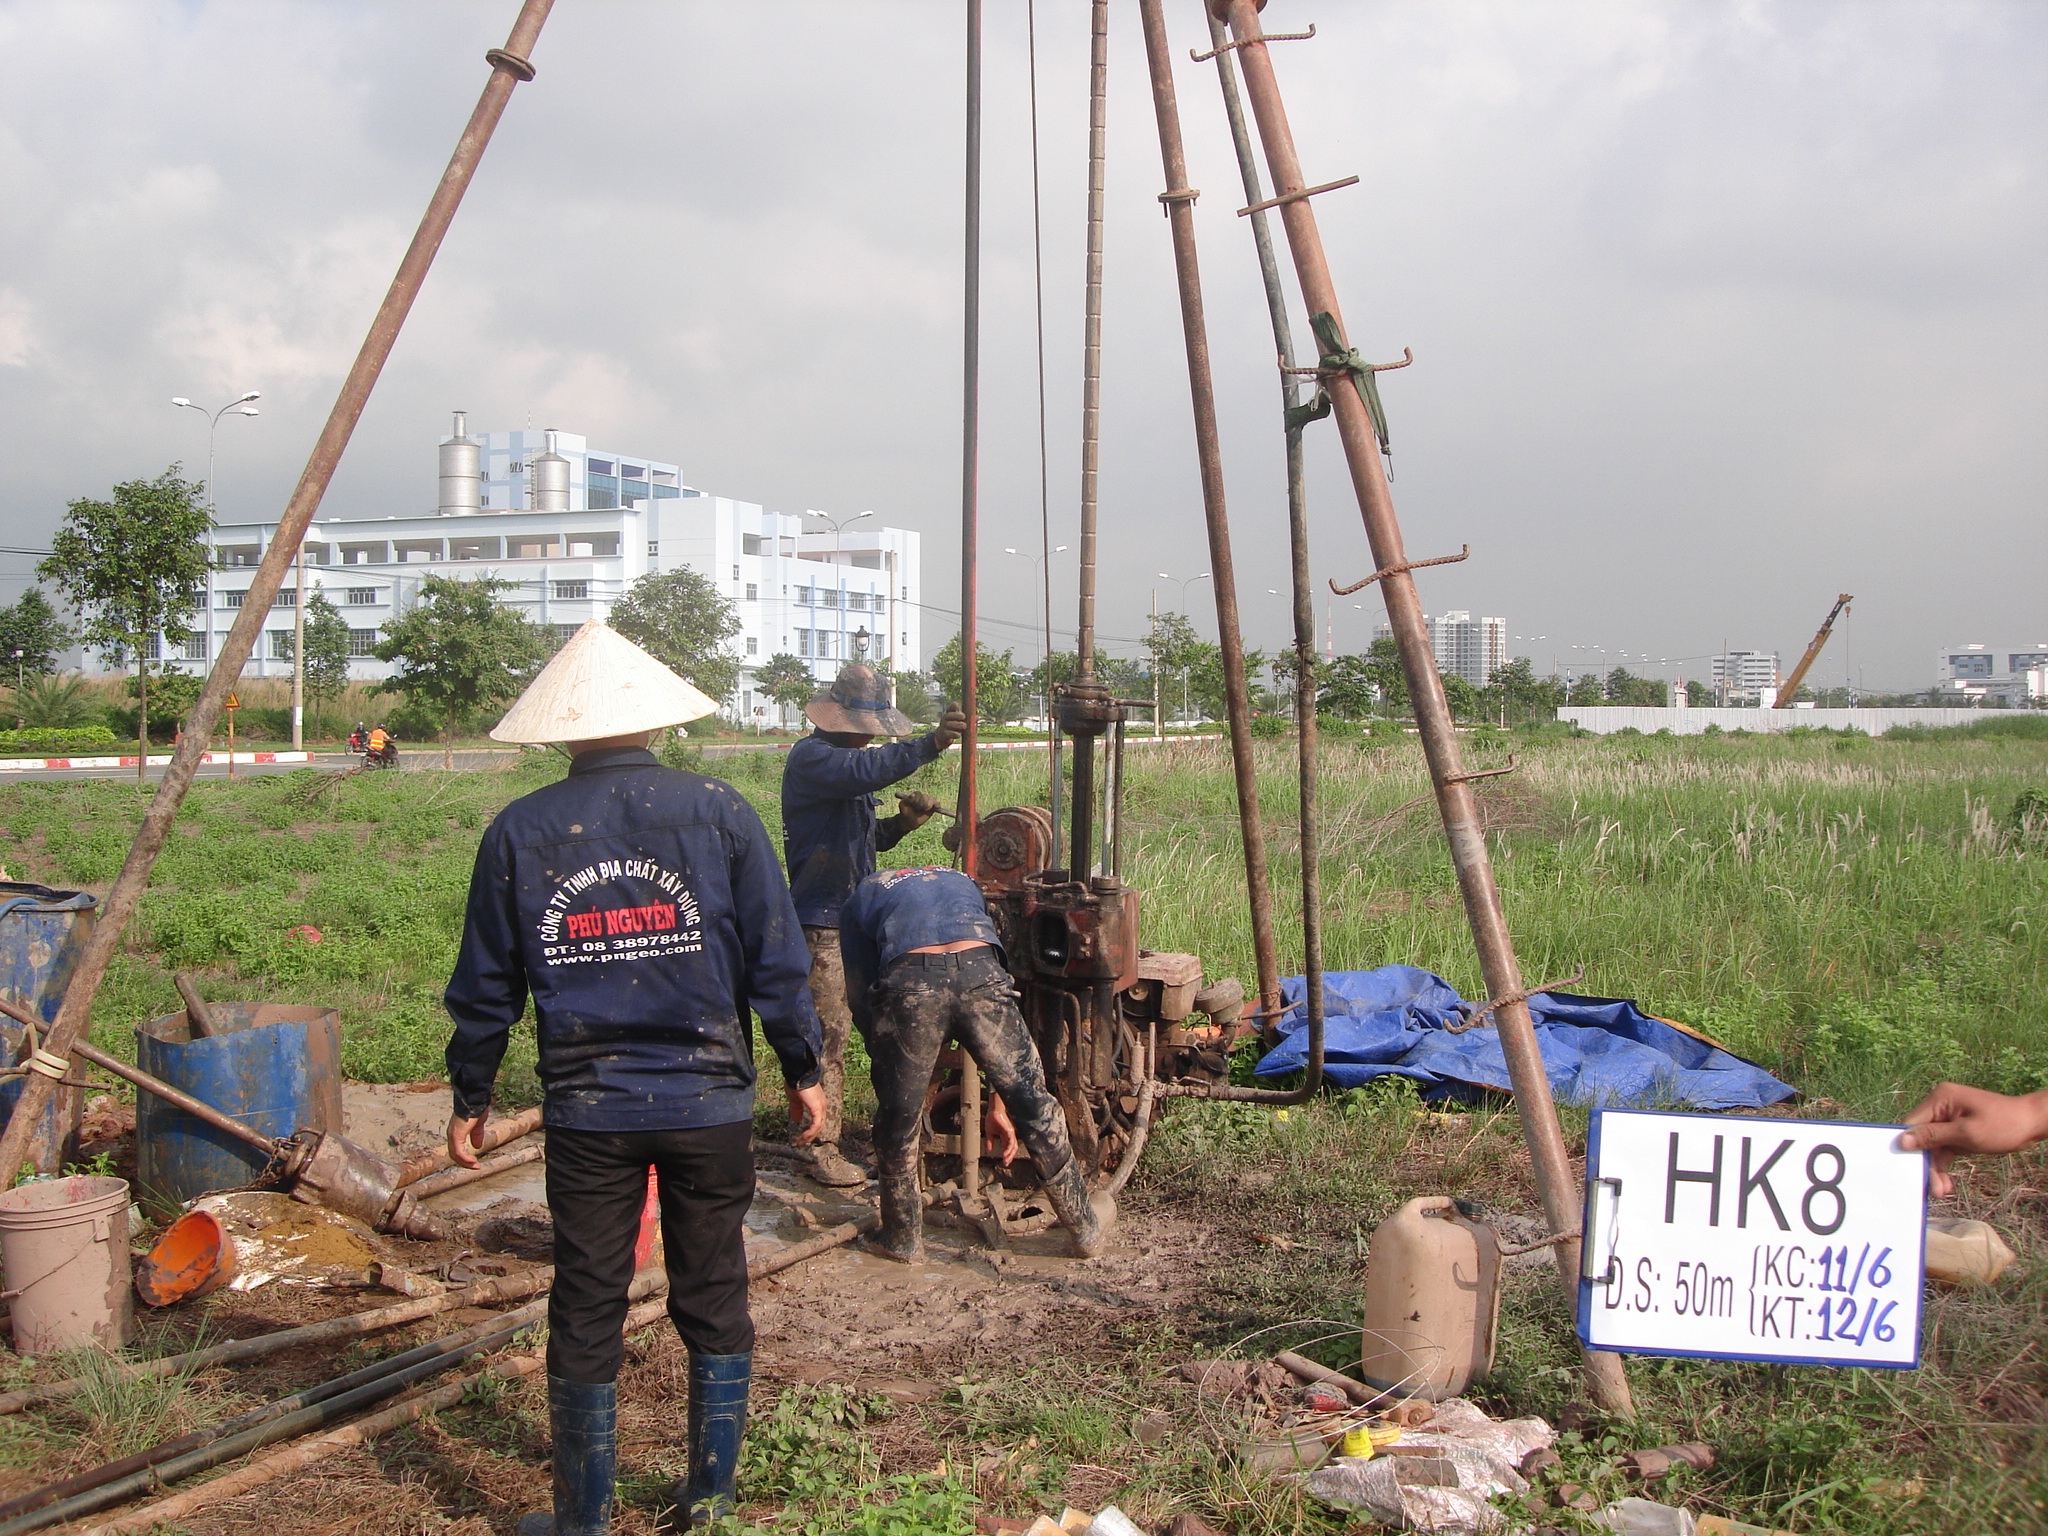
(325, 1168)
(26, 1139)
(496, 1134)
(1604, 1374)
(115, 1482)
(356, 1324)
(308, 1453)
(455, 1178)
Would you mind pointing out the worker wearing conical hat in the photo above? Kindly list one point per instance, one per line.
(830, 836)
(642, 911)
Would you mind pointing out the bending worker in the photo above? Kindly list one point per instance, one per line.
(830, 836)
(642, 910)
(923, 965)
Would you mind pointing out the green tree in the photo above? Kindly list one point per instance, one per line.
(1383, 668)
(1699, 695)
(51, 702)
(1461, 696)
(1586, 689)
(326, 650)
(459, 649)
(1204, 679)
(1625, 688)
(914, 695)
(172, 693)
(681, 619)
(786, 679)
(1173, 646)
(132, 568)
(1348, 690)
(995, 683)
(31, 635)
(1516, 690)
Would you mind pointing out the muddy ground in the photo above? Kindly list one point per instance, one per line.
(907, 1334)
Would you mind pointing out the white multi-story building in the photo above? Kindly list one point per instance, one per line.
(571, 528)
(1473, 649)
(1746, 677)
(2016, 675)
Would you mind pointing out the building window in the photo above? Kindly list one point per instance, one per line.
(753, 646)
(752, 544)
(362, 642)
(857, 601)
(563, 633)
(633, 471)
(1970, 666)
(287, 597)
(828, 597)
(195, 648)
(735, 573)
(598, 466)
(360, 597)
(803, 596)
(653, 548)
(570, 591)
(232, 599)
(280, 645)
(803, 642)
(153, 648)
(601, 501)
(753, 592)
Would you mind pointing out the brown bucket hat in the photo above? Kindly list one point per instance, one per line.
(858, 704)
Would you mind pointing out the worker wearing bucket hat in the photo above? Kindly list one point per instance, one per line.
(830, 836)
(642, 911)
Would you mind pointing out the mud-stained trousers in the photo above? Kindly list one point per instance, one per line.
(828, 991)
(920, 1002)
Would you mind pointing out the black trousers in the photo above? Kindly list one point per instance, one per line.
(920, 1002)
(597, 1187)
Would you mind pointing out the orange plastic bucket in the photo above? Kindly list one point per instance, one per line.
(195, 1255)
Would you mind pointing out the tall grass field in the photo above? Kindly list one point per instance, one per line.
(1861, 916)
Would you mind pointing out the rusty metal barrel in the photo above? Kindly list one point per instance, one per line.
(42, 933)
(273, 1067)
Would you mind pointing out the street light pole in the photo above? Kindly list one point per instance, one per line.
(1184, 585)
(239, 406)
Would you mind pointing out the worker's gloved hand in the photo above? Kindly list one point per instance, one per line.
(952, 726)
(914, 808)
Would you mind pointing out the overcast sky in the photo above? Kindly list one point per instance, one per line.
(1718, 309)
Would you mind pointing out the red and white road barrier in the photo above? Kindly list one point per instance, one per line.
(29, 764)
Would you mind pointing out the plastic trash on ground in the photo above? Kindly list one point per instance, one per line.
(1446, 1476)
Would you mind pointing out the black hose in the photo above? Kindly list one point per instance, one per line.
(116, 1482)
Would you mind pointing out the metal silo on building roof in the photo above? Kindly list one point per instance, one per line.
(548, 480)
(462, 475)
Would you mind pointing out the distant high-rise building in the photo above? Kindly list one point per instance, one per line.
(1473, 649)
(2015, 674)
(1746, 677)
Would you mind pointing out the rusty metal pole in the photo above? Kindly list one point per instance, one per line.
(1179, 201)
(1559, 1190)
(1081, 843)
(970, 447)
(21, 1141)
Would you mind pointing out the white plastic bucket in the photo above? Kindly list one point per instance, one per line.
(65, 1265)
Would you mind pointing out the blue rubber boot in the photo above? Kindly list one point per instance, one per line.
(583, 1417)
(718, 1418)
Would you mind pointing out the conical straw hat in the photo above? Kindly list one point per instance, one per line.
(600, 684)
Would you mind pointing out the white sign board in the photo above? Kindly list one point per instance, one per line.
(1732, 1238)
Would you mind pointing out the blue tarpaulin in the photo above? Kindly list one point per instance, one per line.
(1599, 1051)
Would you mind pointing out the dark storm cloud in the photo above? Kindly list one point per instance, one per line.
(1719, 309)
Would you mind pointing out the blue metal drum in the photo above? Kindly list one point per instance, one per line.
(276, 1069)
(42, 934)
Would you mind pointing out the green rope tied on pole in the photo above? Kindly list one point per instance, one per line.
(1338, 358)
(1299, 416)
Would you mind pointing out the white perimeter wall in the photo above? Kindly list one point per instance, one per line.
(1605, 720)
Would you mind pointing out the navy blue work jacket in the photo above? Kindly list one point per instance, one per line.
(642, 909)
(904, 909)
(829, 831)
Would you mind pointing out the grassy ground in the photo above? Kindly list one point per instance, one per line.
(1863, 917)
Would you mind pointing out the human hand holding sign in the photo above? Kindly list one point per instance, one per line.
(806, 1113)
(1958, 1120)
